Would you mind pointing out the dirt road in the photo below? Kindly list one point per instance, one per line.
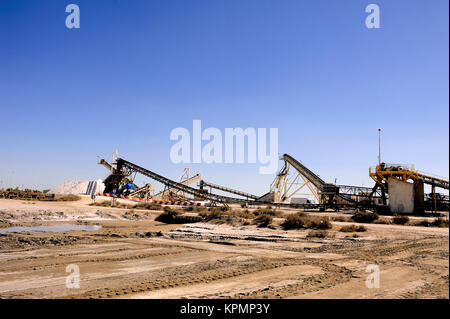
(133, 256)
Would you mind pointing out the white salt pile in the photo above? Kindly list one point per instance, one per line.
(77, 188)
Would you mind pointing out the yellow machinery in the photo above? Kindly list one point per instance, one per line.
(383, 172)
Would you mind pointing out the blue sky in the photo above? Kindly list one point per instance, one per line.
(135, 70)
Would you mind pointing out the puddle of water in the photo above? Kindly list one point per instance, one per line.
(53, 229)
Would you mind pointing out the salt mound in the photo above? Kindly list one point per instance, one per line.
(77, 187)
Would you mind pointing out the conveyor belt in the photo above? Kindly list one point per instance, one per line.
(302, 169)
(172, 184)
(229, 190)
(313, 178)
(187, 182)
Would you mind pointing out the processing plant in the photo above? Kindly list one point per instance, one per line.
(397, 189)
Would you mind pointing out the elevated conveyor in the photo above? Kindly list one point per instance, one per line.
(121, 163)
(325, 193)
(228, 190)
(187, 182)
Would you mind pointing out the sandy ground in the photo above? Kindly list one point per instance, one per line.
(132, 256)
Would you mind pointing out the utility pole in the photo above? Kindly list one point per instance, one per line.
(433, 188)
(379, 146)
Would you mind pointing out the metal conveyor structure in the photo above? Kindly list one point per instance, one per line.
(123, 164)
(328, 195)
(228, 190)
(286, 185)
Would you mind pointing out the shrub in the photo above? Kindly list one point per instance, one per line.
(174, 218)
(440, 222)
(339, 219)
(301, 220)
(423, 222)
(168, 216)
(67, 198)
(263, 220)
(221, 209)
(319, 223)
(352, 229)
(211, 214)
(187, 219)
(196, 209)
(382, 221)
(317, 234)
(149, 206)
(294, 221)
(241, 213)
(364, 217)
(400, 220)
(267, 211)
(168, 209)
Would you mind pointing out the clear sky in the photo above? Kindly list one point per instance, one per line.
(137, 69)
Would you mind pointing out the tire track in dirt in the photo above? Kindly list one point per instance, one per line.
(9, 263)
(137, 256)
(332, 275)
(191, 274)
(385, 248)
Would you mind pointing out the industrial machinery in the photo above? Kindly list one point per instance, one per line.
(295, 177)
(145, 191)
(405, 187)
(248, 196)
(174, 193)
(122, 173)
(292, 179)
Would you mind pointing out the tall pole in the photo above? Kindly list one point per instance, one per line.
(434, 195)
(379, 147)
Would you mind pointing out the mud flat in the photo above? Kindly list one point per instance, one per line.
(130, 255)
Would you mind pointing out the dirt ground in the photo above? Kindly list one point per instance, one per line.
(134, 256)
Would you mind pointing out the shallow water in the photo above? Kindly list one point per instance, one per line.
(53, 229)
